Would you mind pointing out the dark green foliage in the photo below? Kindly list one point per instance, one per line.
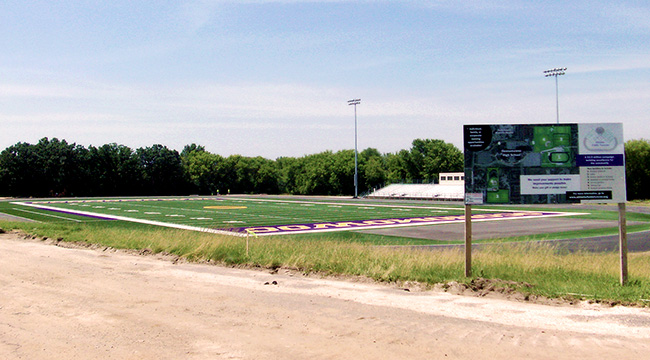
(49, 168)
(56, 168)
(115, 170)
(162, 171)
(637, 169)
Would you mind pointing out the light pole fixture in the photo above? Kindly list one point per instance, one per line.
(556, 72)
(355, 102)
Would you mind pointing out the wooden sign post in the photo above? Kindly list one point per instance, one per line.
(468, 240)
(622, 235)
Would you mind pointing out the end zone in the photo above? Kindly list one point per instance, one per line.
(391, 223)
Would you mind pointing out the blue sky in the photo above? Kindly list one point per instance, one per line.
(272, 77)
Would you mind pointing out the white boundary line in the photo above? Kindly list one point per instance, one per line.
(141, 221)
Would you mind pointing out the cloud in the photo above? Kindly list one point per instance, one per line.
(627, 16)
(614, 63)
(38, 91)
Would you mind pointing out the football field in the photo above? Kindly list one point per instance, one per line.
(240, 215)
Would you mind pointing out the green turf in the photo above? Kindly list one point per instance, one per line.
(273, 211)
(224, 213)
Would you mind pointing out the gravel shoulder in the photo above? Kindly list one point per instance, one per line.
(64, 303)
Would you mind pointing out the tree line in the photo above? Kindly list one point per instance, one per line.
(54, 167)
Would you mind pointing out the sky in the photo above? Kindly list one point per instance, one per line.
(273, 78)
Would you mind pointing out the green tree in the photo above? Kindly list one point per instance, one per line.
(288, 169)
(204, 171)
(51, 167)
(372, 169)
(341, 179)
(20, 171)
(637, 169)
(115, 170)
(314, 175)
(163, 172)
(430, 157)
(397, 169)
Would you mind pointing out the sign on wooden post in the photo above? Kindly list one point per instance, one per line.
(545, 164)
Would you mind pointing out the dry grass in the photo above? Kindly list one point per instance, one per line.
(542, 269)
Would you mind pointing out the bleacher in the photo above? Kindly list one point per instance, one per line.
(451, 188)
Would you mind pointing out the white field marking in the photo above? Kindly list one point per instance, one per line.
(98, 207)
(50, 215)
(378, 205)
(175, 215)
(366, 208)
(114, 209)
(402, 209)
(306, 205)
(332, 206)
(20, 217)
(152, 213)
(201, 218)
(132, 210)
(232, 222)
(166, 208)
(76, 202)
(140, 221)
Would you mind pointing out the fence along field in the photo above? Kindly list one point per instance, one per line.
(263, 216)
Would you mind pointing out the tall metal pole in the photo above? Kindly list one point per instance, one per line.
(556, 72)
(355, 102)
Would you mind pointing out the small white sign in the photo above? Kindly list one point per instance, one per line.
(548, 184)
(473, 198)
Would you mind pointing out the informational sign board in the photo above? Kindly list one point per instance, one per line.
(544, 164)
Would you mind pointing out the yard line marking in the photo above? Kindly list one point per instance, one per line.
(375, 205)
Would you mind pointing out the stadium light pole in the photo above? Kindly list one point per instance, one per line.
(355, 102)
(556, 72)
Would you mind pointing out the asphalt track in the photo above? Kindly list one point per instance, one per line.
(455, 232)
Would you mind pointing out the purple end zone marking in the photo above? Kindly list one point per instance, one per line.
(379, 223)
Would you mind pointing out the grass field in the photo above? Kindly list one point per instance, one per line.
(536, 270)
(225, 213)
(268, 215)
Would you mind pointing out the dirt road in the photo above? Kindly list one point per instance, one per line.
(58, 303)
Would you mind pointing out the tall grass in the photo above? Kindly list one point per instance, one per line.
(533, 269)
